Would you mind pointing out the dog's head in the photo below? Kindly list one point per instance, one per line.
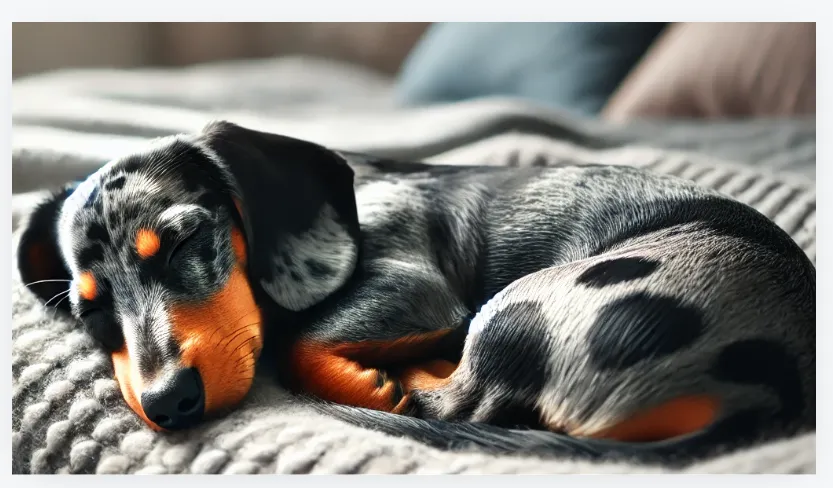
(160, 254)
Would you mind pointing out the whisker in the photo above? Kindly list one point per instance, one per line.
(248, 340)
(61, 300)
(65, 292)
(230, 336)
(245, 315)
(47, 281)
(256, 309)
(218, 329)
(222, 339)
(242, 330)
(242, 360)
(240, 365)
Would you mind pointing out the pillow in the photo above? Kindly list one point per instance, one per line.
(574, 66)
(722, 70)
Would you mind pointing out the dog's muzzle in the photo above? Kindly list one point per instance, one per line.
(176, 401)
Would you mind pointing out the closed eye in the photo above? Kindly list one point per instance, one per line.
(182, 245)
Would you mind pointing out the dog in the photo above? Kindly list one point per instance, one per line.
(578, 310)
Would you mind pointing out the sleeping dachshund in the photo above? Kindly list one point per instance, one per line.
(586, 311)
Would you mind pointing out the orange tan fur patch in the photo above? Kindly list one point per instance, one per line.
(147, 243)
(335, 372)
(322, 372)
(428, 376)
(86, 286)
(222, 338)
(677, 417)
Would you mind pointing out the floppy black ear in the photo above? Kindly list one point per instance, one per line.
(41, 265)
(298, 210)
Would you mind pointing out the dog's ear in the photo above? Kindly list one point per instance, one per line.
(298, 208)
(39, 259)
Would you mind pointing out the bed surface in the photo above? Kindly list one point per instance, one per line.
(68, 415)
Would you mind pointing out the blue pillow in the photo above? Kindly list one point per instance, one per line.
(573, 66)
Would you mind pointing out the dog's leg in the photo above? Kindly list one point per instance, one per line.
(618, 346)
(391, 334)
(368, 373)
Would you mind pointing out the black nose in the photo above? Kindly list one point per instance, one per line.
(176, 401)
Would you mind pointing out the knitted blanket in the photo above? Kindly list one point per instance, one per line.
(68, 415)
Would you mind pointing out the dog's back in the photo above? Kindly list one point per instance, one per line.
(621, 304)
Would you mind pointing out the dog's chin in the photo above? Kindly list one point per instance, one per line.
(226, 381)
(220, 397)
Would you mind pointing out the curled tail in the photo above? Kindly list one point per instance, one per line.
(732, 433)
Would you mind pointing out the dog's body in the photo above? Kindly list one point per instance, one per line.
(638, 313)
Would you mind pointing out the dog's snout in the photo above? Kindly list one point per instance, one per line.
(176, 401)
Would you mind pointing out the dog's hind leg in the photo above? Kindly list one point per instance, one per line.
(662, 336)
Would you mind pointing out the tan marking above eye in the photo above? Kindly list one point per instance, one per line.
(147, 243)
(87, 286)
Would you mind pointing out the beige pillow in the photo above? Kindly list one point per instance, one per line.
(722, 70)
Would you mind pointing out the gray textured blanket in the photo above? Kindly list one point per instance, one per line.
(68, 415)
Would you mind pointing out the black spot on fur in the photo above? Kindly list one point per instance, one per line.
(279, 270)
(89, 255)
(113, 217)
(318, 269)
(295, 276)
(617, 271)
(512, 349)
(641, 326)
(763, 362)
(116, 184)
(97, 232)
